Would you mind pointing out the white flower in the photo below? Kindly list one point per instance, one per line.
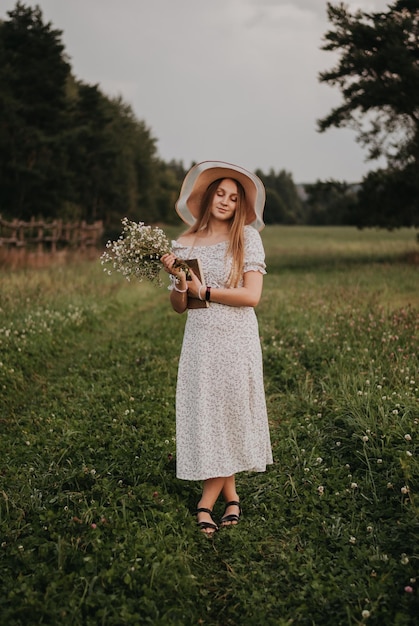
(405, 489)
(408, 437)
(365, 614)
(137, 252)
(320, 490)
(408, 453)
(365, 438)
(354, 486)
(352, 539)
(404, 559)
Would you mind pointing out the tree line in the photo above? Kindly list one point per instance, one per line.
(69, 151)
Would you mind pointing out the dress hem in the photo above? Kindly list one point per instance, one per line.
(218, 475)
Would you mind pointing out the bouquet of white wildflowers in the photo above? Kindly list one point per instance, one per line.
(137, 252)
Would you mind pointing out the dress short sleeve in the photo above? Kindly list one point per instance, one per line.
(254, 253)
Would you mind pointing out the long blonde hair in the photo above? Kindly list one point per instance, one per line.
(236, 234)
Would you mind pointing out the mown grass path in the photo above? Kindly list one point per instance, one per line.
(95, 527)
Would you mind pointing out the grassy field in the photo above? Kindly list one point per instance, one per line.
(96, 529)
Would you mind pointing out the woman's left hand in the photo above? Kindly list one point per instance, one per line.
(194, 285)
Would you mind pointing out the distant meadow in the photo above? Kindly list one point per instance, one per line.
(96, 529)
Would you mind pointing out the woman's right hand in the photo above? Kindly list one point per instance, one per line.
(168, 261)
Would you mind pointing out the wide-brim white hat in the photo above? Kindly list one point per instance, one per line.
(200, 176)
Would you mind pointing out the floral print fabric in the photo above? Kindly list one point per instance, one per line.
(221, 419)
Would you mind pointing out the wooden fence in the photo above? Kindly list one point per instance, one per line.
(23, 243)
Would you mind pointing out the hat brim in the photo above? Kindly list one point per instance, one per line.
(203, 174)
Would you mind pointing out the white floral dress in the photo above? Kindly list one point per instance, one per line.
(221, 419)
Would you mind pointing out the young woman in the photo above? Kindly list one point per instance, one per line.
(221, 420)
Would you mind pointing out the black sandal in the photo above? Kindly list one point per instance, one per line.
(207, 525)
(232, 519)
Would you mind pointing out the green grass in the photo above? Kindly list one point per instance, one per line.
(95, 527)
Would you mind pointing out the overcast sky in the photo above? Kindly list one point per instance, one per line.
(230, 80)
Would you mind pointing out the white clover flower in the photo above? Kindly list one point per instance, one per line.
(405, 489)
(369, 529)
(319, 459)
(352, 539)
(354, 486)
(408, 437)
(379, 461)
(365, 438)
(389, 485)
(320, 490)
(365, 614)
(404, 559)
(408, 453)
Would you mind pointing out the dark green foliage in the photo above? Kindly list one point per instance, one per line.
(33, 113)
(378, 75)
(283, 204)
(66, 149)
(389, 198)
(330, 202)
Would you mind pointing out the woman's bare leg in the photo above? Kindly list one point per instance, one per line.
(230, 494)
(211, 490)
